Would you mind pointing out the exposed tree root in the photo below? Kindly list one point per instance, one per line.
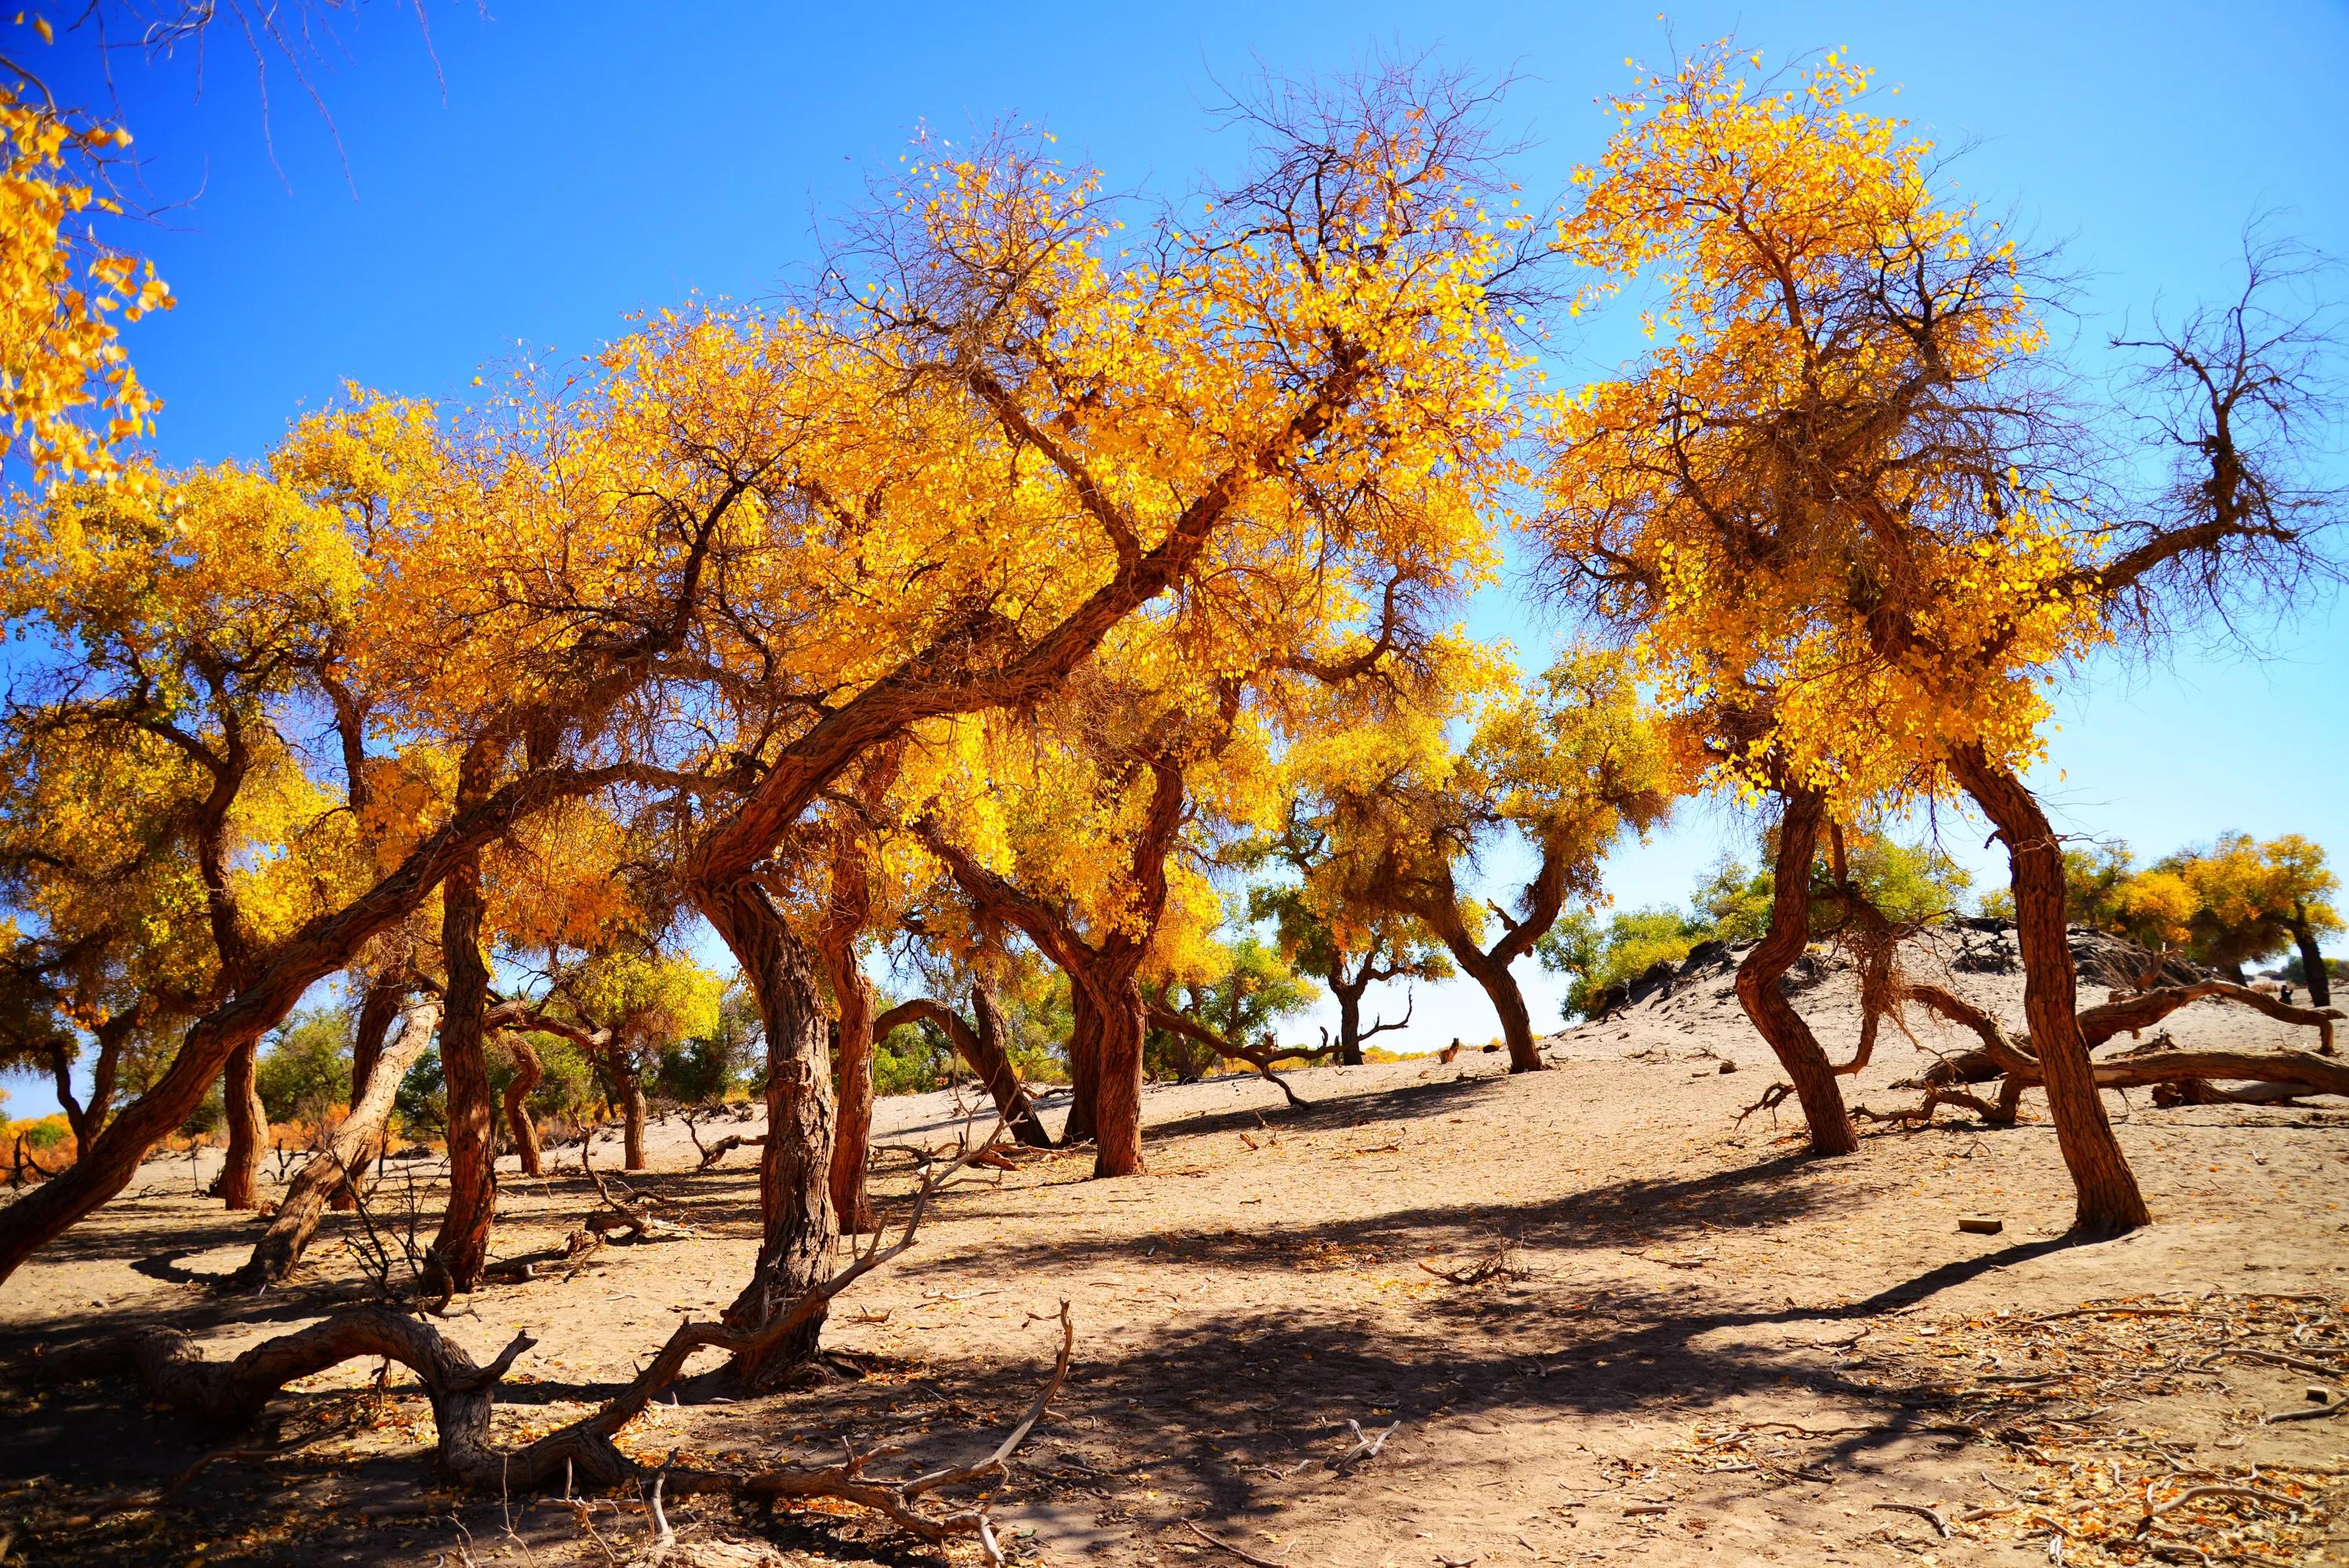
(234, 1393)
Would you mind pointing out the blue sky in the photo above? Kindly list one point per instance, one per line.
(586, 160)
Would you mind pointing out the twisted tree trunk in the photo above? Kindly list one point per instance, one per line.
(239, 1184)
(1760, 988)
(1499, 985)
(529, 1073)
(335, 1169)
(794, 1164)
(462, 1249)
(273, 987)
(2107, 1202)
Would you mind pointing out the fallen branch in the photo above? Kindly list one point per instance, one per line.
(2304, 1071)
(2129, 1014)
(1365, 1447)
(726, 1145)
(2194, 1493)
(1929, 1515)
(1220, 1544)
(1772, 1098)
(634, 1220)
(900, 1502)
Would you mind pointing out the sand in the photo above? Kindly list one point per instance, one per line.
(1677, 1280)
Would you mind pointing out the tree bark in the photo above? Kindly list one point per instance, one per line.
(628, 1095)
(794, 1164)
(462, 1249)
(1500, 985)
(991, 1060)
(1760, 980)
(379, 1008)
(1350, 1012)
(343, 1162)
(82, 1122)
(1117, 1080)
(2312, 958)
(2108, 1203)
(1084, 1067)
(239, 1186)
(848, 909)
(529, 1073)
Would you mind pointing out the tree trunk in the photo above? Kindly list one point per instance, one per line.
(628, 1090)
(89, 1120)
(1761, 980)
(1500, 984)
(462, 1249)
(529, 1073)
(1350, 1014)
(2108, 1201)
(1084, 1067)
(379, 1009)
(984, 1051)
(111, 1039)
(852, 1142)
(239, 1186)
(335, 1169)
(2311, 963)
(1117, 1081)
(794, 1164)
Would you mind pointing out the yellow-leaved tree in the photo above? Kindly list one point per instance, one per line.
(1555, 771)
(1840, 516)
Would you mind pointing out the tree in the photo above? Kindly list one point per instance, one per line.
(640, 1003)
(192, 623)
(2242, 900)
(1080, 813)
(1042, 426)
(1604, 961)
(1846, 524)
(1348, 949)
(1565, 768)
(2306, 879)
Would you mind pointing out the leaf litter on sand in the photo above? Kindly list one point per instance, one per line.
(2062, 1395)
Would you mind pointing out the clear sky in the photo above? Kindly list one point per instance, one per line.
(531, 178)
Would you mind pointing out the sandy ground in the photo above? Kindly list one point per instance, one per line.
(1704, 1349)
